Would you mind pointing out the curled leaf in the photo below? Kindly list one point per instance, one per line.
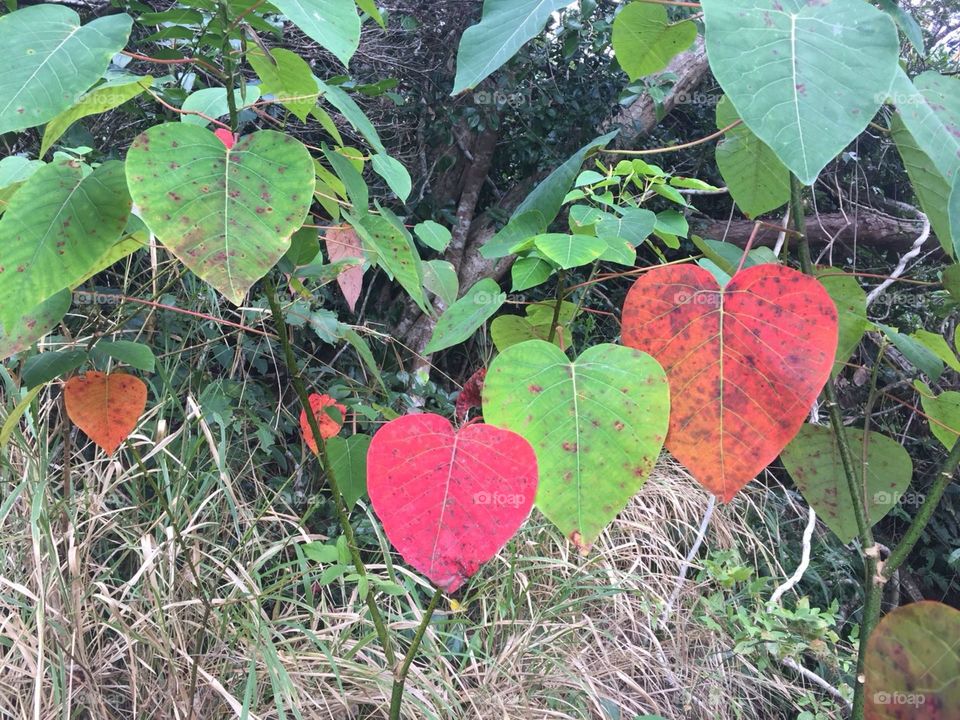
(325, 423)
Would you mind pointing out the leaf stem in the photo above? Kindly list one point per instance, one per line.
(342, 514)
(561, 292)
(228, 65)
(400, 677)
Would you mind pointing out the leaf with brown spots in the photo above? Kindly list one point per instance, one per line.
(913, 664)
(448, 499)
(105, 407)
(343, 243)
(34, 324)
(226, 213)
(813, 460)
(597, 425)
(745, 362)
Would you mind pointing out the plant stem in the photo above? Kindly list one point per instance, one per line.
(400, 677)
(872, 588)
(561, 291)
(922, 518)
(342, 514)
(226, 51)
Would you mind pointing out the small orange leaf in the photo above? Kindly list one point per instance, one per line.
(327, 425)
(105, 407)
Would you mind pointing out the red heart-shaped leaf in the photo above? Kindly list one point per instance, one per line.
(343, 243)
(745, 362)
(449, 500)
(105, 407)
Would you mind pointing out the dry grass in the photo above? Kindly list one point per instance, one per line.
(115, 603)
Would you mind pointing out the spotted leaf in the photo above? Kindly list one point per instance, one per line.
(105, 407)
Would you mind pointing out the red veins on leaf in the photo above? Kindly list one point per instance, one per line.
(471, 395)
(745, 363)
(105, 407)
(226, 137)
(449, 499)
(327, 425)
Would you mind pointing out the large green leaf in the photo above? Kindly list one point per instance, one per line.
(930, 109)
(440, 278)
(953, 213)
(597, 426)
(913, 663)
(813, 460)
(547, 198)
(287, 76)
(466, 315)
(645, 41)
(59, 224)
(851, 302)
(930, 187)
(806, 76)
(570, 251)
(757, 180)
(334, 24)
(394, 252)
(505, 27)
(33, 324)
(226, 214)
(53, 60)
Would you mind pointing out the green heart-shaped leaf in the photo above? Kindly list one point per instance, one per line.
(806, 77)
(644, 40)
(596, 424)
(813, 460)
(226, 214)
(348, 461)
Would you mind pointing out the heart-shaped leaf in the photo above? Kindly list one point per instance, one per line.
(813, 460)
(943, 413)
(328, 424)
(449, 500)
(59, 224)
(226, 214)
(745, 363)
(805, 76)
(105, 407)
(644, 40)
(342, 244)
(51, 60)
(334, 24)
(912, 664)
(34, 324)
(597, 425)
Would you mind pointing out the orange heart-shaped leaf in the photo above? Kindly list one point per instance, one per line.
(105, 407)
(745, 362)
(327, 425)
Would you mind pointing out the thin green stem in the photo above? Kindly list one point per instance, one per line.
(400, 677)
(342, 514)
(872, 589)
(561, 293)
(226, 51)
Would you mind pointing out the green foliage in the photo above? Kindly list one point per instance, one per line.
(772, 57)
(62, 221)
(645, 41)
(48, 48)
(226, 214)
